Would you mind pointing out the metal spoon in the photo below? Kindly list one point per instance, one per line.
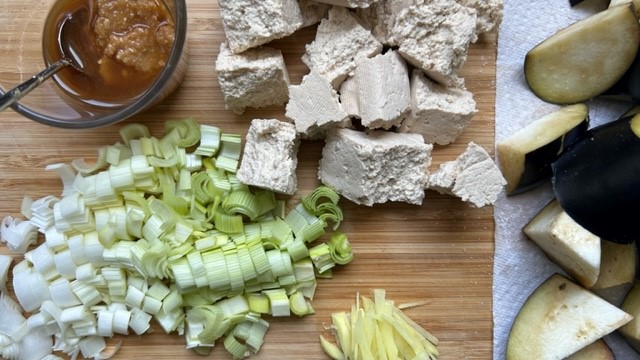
(71, 23)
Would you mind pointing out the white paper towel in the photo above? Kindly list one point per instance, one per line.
(519, 265)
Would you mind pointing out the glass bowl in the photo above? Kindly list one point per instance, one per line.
(22, 24)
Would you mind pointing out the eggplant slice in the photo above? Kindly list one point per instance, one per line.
(525, 157)
(586, 58)
(597, 181)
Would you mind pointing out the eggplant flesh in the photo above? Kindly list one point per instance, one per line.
(597, 181)
(537, 164)
(526, 156)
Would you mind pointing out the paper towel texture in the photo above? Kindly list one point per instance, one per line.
(519, 265)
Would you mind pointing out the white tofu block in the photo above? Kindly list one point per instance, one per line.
(434, 36)
(382, 89)
(255, 78)
(375, 167)
(380, 18)
(340, 42)
(473, 176)
(314, 107)
(438, 113)
(312, 12)
(250, 23)
(489, 13)
(349, 3)
(277, 171)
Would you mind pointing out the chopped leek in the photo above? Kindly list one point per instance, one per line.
(18, 234)
(161, 228)
(5, 263)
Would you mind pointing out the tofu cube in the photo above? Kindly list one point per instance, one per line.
(339, 43)
(382, 92)
(473, 176)
(277, 171)
(489, 13)
(256, 78)
(380, 18)
(314, 107)
(375, 167)
(349, 3)
(434, 36)
(250, 23)
(438, 113)
(312, 11)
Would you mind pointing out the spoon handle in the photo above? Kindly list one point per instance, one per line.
(15, 94)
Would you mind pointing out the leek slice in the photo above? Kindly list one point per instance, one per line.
(340, 249)
(5, 263)
(66, 174)
(133, 131)
(18, 234)
(101, 162)
(209, 140)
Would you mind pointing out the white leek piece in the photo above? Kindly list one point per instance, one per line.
(18, 234)
(67, 175)
(5, 263)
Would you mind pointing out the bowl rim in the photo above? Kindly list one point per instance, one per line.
(140, 104)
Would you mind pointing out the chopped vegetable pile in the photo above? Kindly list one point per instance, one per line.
(378, 330)
(160, 228)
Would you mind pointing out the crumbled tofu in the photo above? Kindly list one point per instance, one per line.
(349, 3)
(380, 18)
(438, 113)
(270, 156)
(443, 179)
(340, 42)
(434, 36)
(489, 13)
(312, 12)
(473, 176)
(255, 78)
(314, 107)
(375, 167)
(382, 89)
(249, 23)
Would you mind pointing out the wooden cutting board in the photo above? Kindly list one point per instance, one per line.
(440, 253)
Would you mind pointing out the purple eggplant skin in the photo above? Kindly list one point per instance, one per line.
(537, 164)
(597, 180)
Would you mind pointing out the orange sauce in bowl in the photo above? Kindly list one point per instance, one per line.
(123, 46)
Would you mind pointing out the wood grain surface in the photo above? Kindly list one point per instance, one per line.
(440, 252)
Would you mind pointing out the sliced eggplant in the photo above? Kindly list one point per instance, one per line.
(631, 330)
(558, 319)
(636, 3)
(586, 58)
(598, 350)
(618, 266)
(597, 180)
(574, 249)
(627, 88)
(525, 157)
